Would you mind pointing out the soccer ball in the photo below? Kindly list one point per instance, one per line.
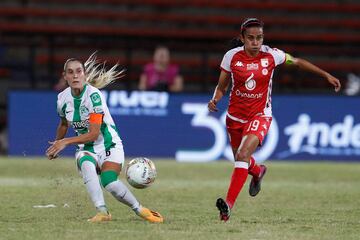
(140, 172)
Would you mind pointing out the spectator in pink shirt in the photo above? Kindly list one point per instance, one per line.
(161, 75)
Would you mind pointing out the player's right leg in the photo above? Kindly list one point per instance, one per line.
(87, 165)
(243, 146)
(224, 209)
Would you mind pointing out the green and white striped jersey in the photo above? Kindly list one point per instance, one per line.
(77, 110)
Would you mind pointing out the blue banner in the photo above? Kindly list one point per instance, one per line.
(158, 124)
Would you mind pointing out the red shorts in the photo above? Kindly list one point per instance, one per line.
(258, 125)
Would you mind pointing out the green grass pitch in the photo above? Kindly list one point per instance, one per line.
(298, 201)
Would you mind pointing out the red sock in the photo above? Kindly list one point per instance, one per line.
(238, 179)
(254, 169)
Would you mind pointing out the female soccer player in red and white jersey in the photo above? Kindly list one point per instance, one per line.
(250, 67)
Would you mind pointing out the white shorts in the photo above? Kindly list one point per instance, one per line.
(115, 155)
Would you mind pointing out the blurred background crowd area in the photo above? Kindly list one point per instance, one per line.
(37, 36)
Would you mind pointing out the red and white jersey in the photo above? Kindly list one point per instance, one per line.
(251, 81)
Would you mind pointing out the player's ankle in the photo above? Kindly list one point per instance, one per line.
(102, 209)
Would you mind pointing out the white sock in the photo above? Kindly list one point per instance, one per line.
(123, 194)
(92, 184)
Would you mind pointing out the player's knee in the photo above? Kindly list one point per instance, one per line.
(84, 158)
(108, 177)
(242, 155)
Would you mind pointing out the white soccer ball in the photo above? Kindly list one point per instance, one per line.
(140, 172)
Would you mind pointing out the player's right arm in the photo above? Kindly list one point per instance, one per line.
(220, 90)
(62, 128)
(60, 134)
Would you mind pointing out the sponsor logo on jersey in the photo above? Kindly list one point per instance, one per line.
(248, 95)
(80, 125)
(264, 62)
(252, 66)
(239, 64)
(96, 99)
(250, 83)
(98, 110)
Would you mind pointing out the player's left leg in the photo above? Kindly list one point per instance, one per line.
(248, 145)
(110, 171)
(255, 184)
(258, 126)
(254, 169)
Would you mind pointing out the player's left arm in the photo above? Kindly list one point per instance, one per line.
(308, 66)
(95, 122)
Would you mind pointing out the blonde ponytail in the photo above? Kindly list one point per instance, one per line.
(97, 75)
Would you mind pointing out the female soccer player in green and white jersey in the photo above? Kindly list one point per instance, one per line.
(100, 149)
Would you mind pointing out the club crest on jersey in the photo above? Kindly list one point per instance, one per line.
(264, 62)
(252, 66)
(84, 111)
(250, 83)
